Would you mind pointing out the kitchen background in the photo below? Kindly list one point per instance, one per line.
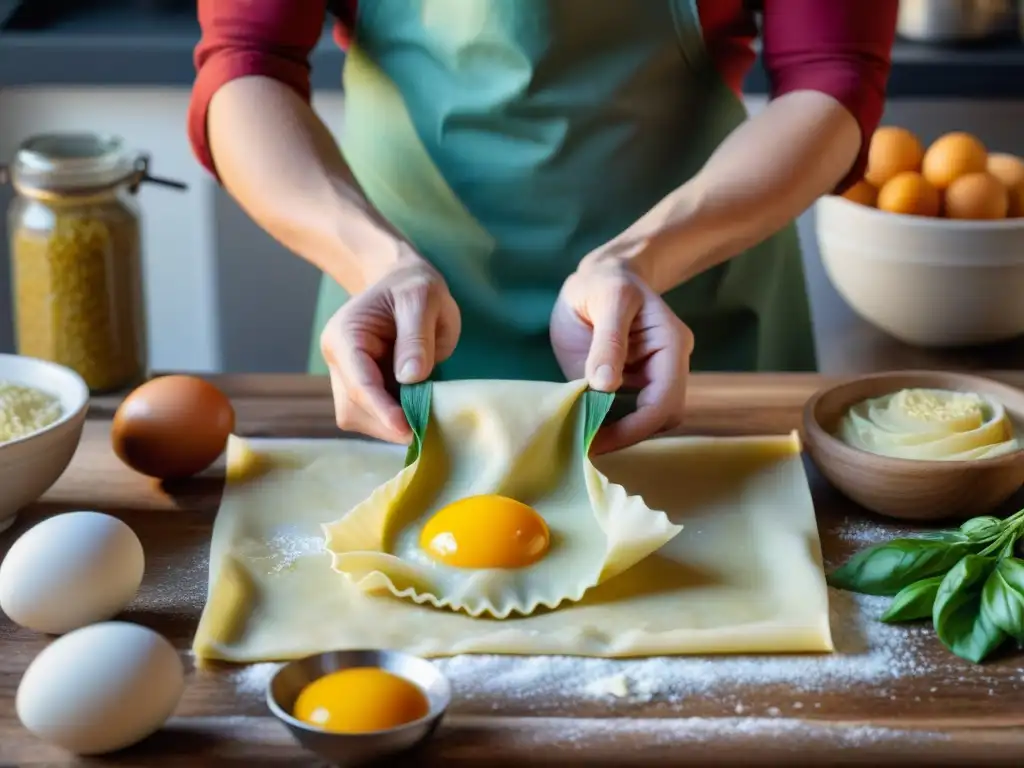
(222, 296)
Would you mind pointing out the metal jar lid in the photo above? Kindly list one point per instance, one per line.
(74, 164)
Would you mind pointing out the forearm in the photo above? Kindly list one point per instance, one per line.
(279, 161)
(767, 172)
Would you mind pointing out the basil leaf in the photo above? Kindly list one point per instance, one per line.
(415, 399)
(1002, 599)
(914, 601)
(959, 621)
(596, 406)
(982, 528)
(887, 568)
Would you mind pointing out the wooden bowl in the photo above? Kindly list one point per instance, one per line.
(912, 489)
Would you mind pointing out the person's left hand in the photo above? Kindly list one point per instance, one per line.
(612, 329)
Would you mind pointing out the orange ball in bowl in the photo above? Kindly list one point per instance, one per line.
(862, 192)
(892, 151)
(952, 156)
(1009, 169)
(909, 193)
(976, 196)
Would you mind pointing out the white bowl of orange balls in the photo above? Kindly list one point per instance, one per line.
(929, 245)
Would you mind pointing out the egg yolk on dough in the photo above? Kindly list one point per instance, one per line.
(360, 700)
(486, 532)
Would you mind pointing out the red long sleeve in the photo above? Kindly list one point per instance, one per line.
(244, 37)
(838, 47)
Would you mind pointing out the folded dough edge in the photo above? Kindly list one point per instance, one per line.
(358, 547)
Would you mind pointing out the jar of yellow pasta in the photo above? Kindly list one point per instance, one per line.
(76, 261)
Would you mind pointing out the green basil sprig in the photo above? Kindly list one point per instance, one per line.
(1002, 598)
(967, 581)
(959, 621)
(982, 528)
(914, 601)
(891, 567)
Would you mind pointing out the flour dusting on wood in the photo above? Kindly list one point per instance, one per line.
(867, 652)
(672, 731)
(863, 531)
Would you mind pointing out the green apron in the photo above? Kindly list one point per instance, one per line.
(506, 140)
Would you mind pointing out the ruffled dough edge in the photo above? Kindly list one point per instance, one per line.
(620, 515)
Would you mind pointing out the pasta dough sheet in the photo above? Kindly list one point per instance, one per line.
(744, 576)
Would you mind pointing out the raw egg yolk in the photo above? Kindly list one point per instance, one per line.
(486, 532)
(360, 700)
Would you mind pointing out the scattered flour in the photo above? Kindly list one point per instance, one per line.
(867, 652)
(590, 733)
(286, 546)
(858, 530)
(251, 680)
(166, 590)
(578, 732)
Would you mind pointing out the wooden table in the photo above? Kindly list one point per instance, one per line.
(966, 715)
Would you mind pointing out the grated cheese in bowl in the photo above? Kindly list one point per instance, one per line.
(25, 410)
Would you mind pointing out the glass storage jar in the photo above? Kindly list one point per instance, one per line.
(76, 261)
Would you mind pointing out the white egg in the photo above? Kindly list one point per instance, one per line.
(71, 570)
(101, 688)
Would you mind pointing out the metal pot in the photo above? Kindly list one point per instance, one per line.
(935, 21)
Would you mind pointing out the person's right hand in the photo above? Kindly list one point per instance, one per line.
(399, 328)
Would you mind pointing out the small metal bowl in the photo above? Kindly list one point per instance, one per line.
(353, 749)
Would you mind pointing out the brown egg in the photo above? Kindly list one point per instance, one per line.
(976, 196)
(952, 156)
(862, 192)
(172, 427)
(1009, 169)
(892, 150)
(909, 193)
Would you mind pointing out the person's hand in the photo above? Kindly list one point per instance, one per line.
(612, 329)
(397, 329)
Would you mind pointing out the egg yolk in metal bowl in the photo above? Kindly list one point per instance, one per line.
(487, 531)
(360, 700)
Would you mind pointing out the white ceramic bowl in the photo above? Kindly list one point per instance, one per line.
(31, 464)
(928, 282)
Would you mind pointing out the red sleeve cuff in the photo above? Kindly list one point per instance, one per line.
(835, 48)
(863, 96)
(225, 66)
(241, 38)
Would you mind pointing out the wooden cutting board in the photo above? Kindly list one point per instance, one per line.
(892, 695)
